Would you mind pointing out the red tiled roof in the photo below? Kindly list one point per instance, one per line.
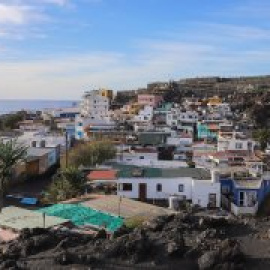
(213, 126)
(102, 175)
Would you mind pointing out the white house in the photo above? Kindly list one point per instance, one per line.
(181, 117)
(145, 114)
(236, 141)
(132, 156)
(180, 139)
(190, 184)
(223, 109)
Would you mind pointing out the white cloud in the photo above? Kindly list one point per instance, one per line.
(14, 14)
(55, 2)
(68, 77)
(237, 31)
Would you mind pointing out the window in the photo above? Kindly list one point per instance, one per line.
(80, 124)
(141, 157)
(241, 198)
(43, 143)
(181, 188)
(80, 134)
(34, 144)
(238, 145)
(159, 187)
(126, 187)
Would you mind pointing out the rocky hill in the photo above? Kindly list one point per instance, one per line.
(200, 87)
(178, 241)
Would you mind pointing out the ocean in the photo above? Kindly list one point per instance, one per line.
(13, 105)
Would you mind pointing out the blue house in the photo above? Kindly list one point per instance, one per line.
(203, 132)
(244, 196)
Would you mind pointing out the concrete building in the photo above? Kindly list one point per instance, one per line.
(94, 105)
(94, 115)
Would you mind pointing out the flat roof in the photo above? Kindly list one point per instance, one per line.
(38, 151)
(248, 184)
(17, 218)
(131, 171)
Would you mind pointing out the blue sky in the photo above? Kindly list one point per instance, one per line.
(56, 49)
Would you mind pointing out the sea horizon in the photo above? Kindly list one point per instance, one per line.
(14, 105)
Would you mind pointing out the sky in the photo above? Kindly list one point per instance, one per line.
(57, 49)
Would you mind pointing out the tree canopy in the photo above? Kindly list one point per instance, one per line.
(10, 154)
(262, 136)
(90, 154)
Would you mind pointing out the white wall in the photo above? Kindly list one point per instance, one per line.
(146, 114)
(175, 117)
(232, 143)
(94, 105)
(130, 157)
(201, 190)
(244, 210)
(179, 141)
(196, 190)
(169, 187)
(50, 140)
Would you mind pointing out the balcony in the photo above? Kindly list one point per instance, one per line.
(244, 210)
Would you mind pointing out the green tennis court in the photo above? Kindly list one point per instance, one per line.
(81, 215)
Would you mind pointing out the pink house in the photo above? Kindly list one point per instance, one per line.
(151, 100)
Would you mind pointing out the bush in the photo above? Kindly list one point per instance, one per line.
(67, 184)
(135, 222)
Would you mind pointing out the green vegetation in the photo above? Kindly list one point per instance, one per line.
(263, 137)
(10, 154)
(90, 154)
(135, 222)
(68, 184)
(11, 121)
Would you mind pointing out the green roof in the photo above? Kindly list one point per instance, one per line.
(129, 171)
(152, 138)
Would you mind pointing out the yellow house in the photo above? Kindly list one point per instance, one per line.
(135, 108)
(212, 101)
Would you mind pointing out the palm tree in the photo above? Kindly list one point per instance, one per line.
(10, 153)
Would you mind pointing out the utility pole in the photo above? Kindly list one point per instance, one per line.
(66, 137)
(44, 217)
(119, 205)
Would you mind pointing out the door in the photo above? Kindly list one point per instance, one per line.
(142, 192)
(212, 200)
